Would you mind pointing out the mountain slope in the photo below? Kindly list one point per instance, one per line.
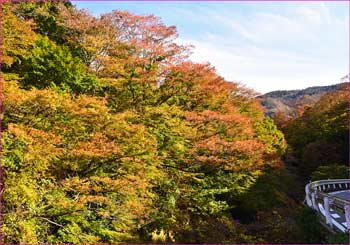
(289, 101)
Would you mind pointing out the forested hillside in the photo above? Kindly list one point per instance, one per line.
(315, 123)
(292, 102)
(110, 134)
(319, 137)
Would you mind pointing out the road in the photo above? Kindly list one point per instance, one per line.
(337, 219)
(338, 193)
(345, 195)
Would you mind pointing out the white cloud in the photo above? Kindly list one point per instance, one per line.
(269, 51)
(266, 70)
(317, 13)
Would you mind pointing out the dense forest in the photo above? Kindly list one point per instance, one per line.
(319, 136)
(110, 134)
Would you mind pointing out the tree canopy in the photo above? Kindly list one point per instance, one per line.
(110, 134)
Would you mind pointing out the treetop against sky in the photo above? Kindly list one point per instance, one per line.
(266, 45)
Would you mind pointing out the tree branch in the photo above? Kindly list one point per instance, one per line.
(184, 170)
(64, 228)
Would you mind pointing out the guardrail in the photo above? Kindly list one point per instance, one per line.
(319, 192)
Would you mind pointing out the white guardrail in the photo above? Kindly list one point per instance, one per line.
(320, 195)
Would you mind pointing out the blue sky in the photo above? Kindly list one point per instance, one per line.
(265, 45)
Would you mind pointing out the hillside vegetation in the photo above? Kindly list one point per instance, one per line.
(319, 137)
(317, 133)
(292, 102)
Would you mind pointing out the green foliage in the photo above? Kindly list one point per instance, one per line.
(53, 65)
(330, 172)
(278, 225)
(269, 191)
(46, 16)
(308, 223)
(268, 133)
(126, 94)
(339, 238)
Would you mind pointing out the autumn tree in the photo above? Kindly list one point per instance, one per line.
(73, 174)
(110, 135)
(17, 37)
(321, 135)
(142, 44)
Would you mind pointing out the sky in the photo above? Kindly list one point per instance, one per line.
(265, 45)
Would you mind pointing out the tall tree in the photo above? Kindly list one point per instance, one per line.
(17, 37)
(118, 138)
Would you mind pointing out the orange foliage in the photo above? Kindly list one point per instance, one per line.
(97, 146)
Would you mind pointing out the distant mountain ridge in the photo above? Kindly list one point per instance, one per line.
(288, 101)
